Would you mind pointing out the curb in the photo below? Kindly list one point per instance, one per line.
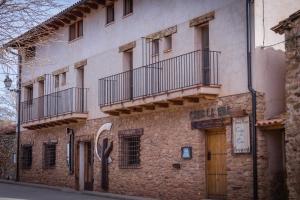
(65, 189)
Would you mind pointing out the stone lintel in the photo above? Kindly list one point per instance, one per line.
(201, 20)
(27, 83)
(81, 63)
(40, 78)
(60, 71)
(127, 46)
(163, 33)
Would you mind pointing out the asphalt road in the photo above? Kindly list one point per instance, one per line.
(19, 192)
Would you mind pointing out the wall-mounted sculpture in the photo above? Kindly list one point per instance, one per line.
(105, 151)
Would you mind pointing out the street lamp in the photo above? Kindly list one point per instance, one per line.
(8, 82)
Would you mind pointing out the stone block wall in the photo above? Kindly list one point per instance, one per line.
(166, 130)
(292, 126)
(7, 151)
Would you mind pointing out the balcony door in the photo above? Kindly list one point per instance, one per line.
(41, 99)
(205, 54)
(128, 74)
(79, 91)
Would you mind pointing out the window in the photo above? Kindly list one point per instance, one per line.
(72, 32)
(56, 81)
(63, 78)
(168, 43)
(110, 13)
(49, 155)
(76, 30)
(30, 53)
(26, 156)
(127, 6)
(129, 148)
(155, 47)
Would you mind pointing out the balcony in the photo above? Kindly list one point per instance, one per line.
(185, 78)
(61, 107)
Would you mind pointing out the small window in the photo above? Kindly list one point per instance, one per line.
(72, 32)
(49, 155)
(168, 43)
(128, 7)
(110, 13)
(76, 30)
(26, 156)
(63, 78)
(129, 148)
(56, 81)
(155, 47)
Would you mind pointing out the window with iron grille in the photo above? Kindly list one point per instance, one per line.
(110, 13)
(127, 6)
(49, 155)
(130, 148)
(26, 156)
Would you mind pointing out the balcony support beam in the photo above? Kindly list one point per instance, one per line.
(162, 104)
(149, 107)
(124, 111)
(136, 109)
(192, 99)
(176, 102)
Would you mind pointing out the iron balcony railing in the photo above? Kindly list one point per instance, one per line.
(72, 100)
(199, 67)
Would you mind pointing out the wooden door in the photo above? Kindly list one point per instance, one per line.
(88, 166)
(216, 174)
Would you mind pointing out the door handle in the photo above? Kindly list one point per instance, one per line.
(209, 155)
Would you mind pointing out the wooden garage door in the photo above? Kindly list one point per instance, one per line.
(216, 174)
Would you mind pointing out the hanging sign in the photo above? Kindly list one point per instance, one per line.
(241, 134)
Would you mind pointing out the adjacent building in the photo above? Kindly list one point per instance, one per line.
(153, 98)
(291, 28)
(7, 151)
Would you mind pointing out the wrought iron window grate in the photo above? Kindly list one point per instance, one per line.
(26, 156)
(49, 155)
(130, 148)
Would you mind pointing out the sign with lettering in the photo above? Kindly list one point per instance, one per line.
(209, 113)
(241, 135)
(208, 124)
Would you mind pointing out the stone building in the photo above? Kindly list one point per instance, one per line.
(290, 27)
(153, 98)
(7, 151)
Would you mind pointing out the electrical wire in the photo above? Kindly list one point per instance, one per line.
(291, 38)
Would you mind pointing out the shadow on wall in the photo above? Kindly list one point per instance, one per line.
(269, 73)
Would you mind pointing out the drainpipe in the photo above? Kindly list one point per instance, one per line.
(19, 118)
(253, 95)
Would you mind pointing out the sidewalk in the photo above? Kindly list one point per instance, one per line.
(64, 189)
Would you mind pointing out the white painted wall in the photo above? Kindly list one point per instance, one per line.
(100, 43)
(269, 63)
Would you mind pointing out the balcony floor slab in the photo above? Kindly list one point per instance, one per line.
(178, 97)
(55, 121)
